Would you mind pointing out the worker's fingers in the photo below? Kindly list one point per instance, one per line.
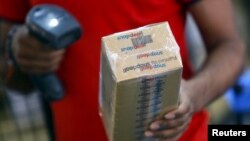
(32, 56)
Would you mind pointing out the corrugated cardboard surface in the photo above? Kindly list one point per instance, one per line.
(140, 77)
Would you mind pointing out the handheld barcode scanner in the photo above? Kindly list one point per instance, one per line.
(57, 29)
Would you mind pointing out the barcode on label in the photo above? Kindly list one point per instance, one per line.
(142, 41)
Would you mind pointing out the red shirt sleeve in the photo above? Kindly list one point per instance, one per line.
(14, 10)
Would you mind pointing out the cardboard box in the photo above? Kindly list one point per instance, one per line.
(140, 78)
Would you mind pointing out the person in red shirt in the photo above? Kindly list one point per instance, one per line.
(76, 115)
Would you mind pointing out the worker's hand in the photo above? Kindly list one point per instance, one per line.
(32, 56)
(174, 124)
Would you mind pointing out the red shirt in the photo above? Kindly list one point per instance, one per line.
(76, 116)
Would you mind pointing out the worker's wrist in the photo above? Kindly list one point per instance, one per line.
(8, 55)
(197, 92)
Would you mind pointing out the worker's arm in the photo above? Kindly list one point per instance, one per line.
(4, 28)
(31, 56)
(226, 51)
(5, 69)
(224, 63)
